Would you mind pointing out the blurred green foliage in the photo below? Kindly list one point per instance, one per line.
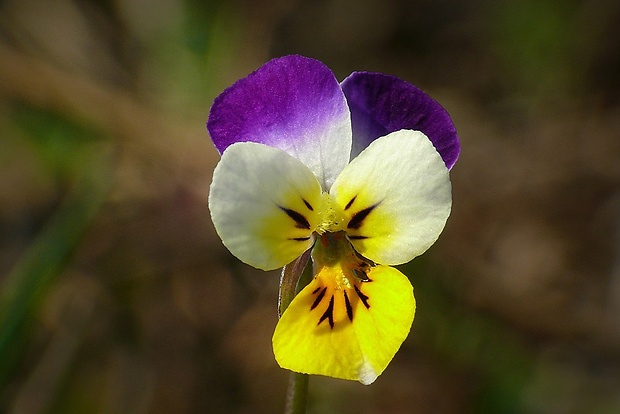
(61, 144)
(535, 41)
(73, 154)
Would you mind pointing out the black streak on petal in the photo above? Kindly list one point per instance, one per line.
(348, 306)
(358, 218)
(362, 297)
(300, 220)
(329, 314)
(300, 238)
(318, 298)
(308, 205)
(350, 203)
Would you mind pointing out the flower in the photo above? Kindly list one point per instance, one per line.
(358, 172)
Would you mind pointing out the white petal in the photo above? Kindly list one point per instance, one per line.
(397, 197)
(264, 204)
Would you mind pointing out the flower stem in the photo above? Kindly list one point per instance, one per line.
(289, 281)
(297, 392)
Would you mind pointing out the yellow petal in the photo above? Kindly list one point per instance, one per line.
(265, 204)
(343, 327)
(397, 197)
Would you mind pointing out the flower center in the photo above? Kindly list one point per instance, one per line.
(331, 215)
(340, 272)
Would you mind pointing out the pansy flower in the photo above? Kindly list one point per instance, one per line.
(356, 171)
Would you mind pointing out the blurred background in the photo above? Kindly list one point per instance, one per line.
(116, 296)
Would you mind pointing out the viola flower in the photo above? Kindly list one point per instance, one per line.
(358, 172)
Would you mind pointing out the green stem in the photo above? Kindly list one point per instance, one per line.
(289, 281)
(297, 393)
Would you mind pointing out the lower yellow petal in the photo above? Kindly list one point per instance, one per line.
(344, 328)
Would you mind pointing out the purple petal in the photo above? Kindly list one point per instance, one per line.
(293, 103)
(381, 104)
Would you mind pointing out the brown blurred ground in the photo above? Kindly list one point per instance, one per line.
(146, 312)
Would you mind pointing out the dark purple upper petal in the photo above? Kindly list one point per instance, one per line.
(292, 103)
(381, 104)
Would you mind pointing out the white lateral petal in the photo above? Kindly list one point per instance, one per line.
(397, 197)
(264, 204)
